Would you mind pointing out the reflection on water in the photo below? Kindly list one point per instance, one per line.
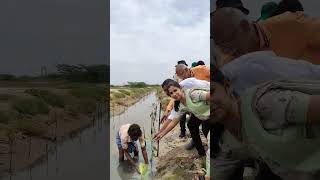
(85, 156)
(82, 157)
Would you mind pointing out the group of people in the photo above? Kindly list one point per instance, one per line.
(260, 99)
(189, 92)
(265, 91)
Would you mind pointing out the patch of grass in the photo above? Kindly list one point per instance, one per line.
(6, 116)
(139, 91)
(6, 97)
(118, 95)
(83, 106)
(126, 92)
(97, 93)
(30, 106)
(48, 97)
(31, 128)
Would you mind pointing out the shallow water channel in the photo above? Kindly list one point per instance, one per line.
(139, 114)
(83, 156)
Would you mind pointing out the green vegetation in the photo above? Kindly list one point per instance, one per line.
(30, 106)
(118, 95)
(48, 97)
(123, 91)
(31, 128)
(82, 73)
(137, 84)
(98, 93)
(7, 77)
(6, 97)
(73, 73)
(6, 116)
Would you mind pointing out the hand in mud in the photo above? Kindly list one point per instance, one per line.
(137, 169)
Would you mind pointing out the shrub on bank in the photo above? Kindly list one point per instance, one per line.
(48, 97)
(30, 106)
(6, 116)
(123, 91)
(97, 93)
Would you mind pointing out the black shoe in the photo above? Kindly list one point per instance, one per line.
(190, 145)
(182, 134)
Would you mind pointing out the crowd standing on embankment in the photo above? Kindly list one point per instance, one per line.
(259, 101)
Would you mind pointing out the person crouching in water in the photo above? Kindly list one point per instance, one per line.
(125, 139)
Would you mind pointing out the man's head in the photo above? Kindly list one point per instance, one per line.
(182, 62)
(289, 5)
(194, 64)
(232, 3)
(183, 72)
(201, 63)
(134, 132)
(268, 10)
(232, 32)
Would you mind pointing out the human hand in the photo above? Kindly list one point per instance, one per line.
(158, 137)
(155, 135)
(137, 169)
(195, 96)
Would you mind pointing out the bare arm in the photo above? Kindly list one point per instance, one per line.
(145, 155)
(171, 125)
(129, 158)
(165, 115)
(165, 125)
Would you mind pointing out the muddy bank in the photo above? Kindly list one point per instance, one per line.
(18, 151)
(120, 105)
(174, 161)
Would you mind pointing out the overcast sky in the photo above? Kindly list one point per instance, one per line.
(34, 33)
(147, 38)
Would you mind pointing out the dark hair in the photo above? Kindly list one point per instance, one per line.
(232, 3)
(176, 105)
(168, 83)
(291, 5)
(134, 131)
(165, 82)
(217, 76)
(200, 63)
(182, 62)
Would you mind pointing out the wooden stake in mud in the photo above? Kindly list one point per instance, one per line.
(47, 158)
(11, 157)
(29, 154)
(159, 128)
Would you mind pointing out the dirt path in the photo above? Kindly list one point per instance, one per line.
(174, 161)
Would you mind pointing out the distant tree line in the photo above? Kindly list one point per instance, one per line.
(74, 73)
(137, 84)
(88, 73)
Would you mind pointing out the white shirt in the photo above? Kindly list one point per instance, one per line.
(254, 68)
(190, 83)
